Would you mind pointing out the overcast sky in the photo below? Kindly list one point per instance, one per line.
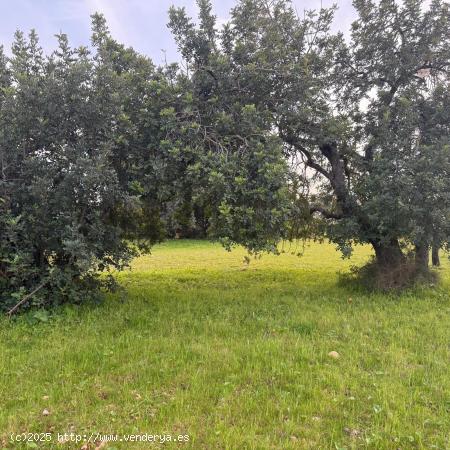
(138, 23)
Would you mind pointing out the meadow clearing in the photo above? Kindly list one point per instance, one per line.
(235, 357)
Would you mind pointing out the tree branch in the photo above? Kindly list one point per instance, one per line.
(26, 298)
(291, 140)
(327, 214)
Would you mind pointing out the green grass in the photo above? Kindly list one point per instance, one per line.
(236, 359)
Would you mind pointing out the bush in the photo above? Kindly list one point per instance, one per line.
(59, 189)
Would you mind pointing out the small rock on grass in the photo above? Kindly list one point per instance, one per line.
(352, 432)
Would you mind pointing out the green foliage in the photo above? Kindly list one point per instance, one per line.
(273, 128)
(57, 185)
(243, 172)
(101, 155)
(363, 122)
(80, 166)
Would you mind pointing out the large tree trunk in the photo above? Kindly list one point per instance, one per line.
(435, 255)
(422, 255)
(388, 254)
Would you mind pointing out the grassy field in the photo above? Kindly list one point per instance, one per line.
(235, 357)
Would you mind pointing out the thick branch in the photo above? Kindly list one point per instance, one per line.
(294, 142)
(337, 177)
(327, 214)
(311, 163)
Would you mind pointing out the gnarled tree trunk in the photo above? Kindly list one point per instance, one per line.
(388, 254)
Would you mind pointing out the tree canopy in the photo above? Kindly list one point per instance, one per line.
(272, 127)
(95, 168)
(363, 119)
